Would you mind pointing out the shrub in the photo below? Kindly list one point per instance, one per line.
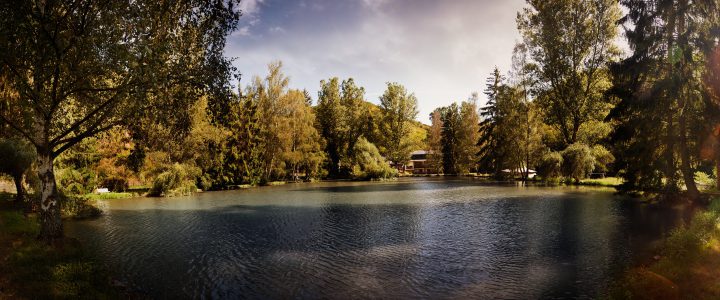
(368, 164)
(603, 158)
(76, 182)
(705, 181)
(177, 180)
(79, 208)
(578, 161)
(550, 166)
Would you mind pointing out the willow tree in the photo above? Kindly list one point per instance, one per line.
(78, 68)
(570, 43)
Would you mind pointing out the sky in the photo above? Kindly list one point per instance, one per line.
(442, 51)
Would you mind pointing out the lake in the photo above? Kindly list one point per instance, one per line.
(411, 238)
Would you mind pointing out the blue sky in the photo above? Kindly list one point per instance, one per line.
(440, 50)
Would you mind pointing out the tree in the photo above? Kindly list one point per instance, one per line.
(468, 135)
(664, 107)
(570, 42)
(341, 119)
(302, 144)
(450, 117)
(490, 142)
(434, 141)
(80, 68)
(399, 110)
(577, 162)
(367, 163)
(16, 158)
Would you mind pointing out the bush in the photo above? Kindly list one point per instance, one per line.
(79, 208)
(603, 158)
(550, 166)
(368, 164)
(705, 181)
(578, 161)
(76, 182)
(178, 180)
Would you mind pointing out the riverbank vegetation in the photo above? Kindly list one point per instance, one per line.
(687, 266)
(32, 269)
(112, 95)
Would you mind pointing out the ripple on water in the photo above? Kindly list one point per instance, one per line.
(416, 239)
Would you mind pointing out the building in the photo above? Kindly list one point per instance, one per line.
(418, 163)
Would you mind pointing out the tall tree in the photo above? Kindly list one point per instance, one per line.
(570, 42)
(468, 135)
(434, 142)
(492, 141)
(451, 120)
(399, 110)
(79, 68)
(662, 106)
(341, 118)
(303, 147)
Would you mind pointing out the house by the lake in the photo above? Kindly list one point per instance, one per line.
(418, 163)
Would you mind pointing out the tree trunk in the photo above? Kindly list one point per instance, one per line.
(685, 168)
(51, 227)
(19, 188)
(671, 184)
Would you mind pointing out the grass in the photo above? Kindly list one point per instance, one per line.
(607, 181)
(32, 269)
(110, 196)
(688, 267)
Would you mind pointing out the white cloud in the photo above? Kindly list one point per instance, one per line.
(242, 31)
(250, 7)
(440, 51)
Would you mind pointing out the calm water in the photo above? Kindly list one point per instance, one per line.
(405, 239)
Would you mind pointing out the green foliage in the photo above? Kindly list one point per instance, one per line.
(570, 48)
(607, 181)
(666, 110)
(435, 142)
(341, 120)
(705, 181)
(16, 159)
(368, 164)
(399, 110)
(578, 161)
(603, 158)
(79, 207)
(550, 165)
(177, 180)
(16, 156)
(110, 196)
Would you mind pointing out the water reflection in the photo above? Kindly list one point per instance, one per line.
(408, 239)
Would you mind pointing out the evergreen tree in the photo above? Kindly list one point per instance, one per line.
(451, 120)
(663, 107)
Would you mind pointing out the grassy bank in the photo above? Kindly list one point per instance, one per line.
(110, 196)
(30, 269)
(687, 267)
(607, 181)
